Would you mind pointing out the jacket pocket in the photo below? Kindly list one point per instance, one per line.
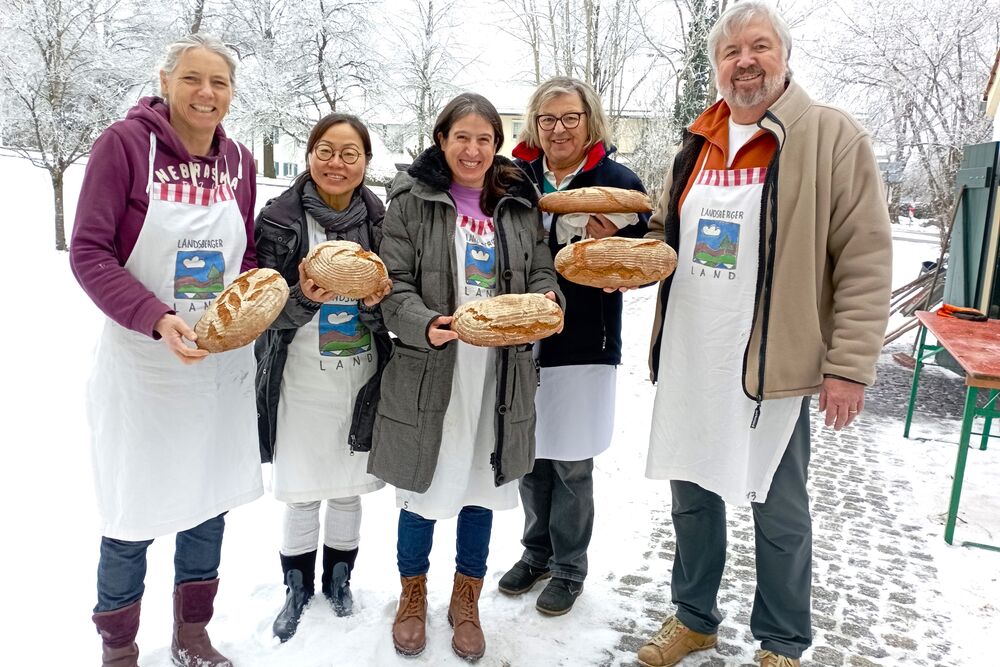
(524, 387)
(402, 385)
(275, 245)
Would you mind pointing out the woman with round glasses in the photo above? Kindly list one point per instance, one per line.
(319, 368)
(566, 144)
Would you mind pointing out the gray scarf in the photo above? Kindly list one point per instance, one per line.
(346, 225)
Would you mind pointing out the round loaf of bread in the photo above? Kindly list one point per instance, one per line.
(595, 200)
(616, 262)
(508, 319)
(242, 311)
(346, 269)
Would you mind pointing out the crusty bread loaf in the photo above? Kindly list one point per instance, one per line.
(616, 262)
(508, 319)
(595, 200)
(242, 311)
(345, 268)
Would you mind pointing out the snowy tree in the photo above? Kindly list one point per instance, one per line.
(426, 63)
(914, 72)
(299, 60)
(65, 72)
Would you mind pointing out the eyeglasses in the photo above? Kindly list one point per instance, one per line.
(325, 153)
(568, 120)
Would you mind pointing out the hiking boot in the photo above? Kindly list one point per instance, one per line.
(468, 641)
(771, 659)
(521, 578)
(672, 643)
(409, 630)
(558, 596)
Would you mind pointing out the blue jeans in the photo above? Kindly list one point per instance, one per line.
(121, 570)
(416, 536)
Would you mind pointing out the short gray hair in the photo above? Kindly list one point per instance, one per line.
(199, 41)
(598, 127)
(737, 17)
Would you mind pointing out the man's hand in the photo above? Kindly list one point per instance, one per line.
(440, 333)
(599, 227)
(841, 400)
(173, 331)
(311, 290)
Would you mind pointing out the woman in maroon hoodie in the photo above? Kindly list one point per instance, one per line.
(164, 221)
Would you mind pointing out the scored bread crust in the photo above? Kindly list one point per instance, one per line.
(346, 269)
(508, 319)
(596, 199)
(242, 311)
(615, 262)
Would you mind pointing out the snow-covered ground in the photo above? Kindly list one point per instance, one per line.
(50, 523)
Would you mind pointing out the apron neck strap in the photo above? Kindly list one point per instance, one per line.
(152, 157)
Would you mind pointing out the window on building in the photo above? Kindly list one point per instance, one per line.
(516, 127)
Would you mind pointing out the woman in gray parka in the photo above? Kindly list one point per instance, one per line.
(455, 422)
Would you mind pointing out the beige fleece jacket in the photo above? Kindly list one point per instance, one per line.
(833, 255)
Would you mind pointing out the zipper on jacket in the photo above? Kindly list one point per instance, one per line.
(497, 456)
(765, 270)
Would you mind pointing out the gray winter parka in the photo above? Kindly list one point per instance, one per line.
(418, 249)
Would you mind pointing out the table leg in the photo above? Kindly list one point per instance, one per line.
(988, 419)
(963, 453)
(916, 380)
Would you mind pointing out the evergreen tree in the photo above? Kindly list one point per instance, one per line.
(696, 77)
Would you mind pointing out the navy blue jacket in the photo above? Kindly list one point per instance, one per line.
(592, 332)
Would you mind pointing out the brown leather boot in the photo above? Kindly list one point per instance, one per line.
(463, 615)
(193, 609)
(672, 643)
(118, 629)
(771, 659)
(409, 630)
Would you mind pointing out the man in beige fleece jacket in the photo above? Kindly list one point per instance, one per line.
(775, 207)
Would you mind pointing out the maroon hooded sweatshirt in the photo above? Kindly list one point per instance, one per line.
(113, 201)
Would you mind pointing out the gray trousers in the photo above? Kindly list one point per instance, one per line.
(558, 500)
(780, 619)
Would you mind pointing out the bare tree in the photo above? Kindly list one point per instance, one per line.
(426, 64)
(914, 72)
(65, 71)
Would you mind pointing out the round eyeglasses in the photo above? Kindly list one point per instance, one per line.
(569, 120)
(347, 155)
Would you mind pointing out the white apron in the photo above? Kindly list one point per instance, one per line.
(175, 445)
(701, 417)
(329, 360)
(574, 405)
(463, 475)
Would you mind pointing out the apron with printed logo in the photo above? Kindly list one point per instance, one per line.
(175, 445)
(329, 360)
(701, 417)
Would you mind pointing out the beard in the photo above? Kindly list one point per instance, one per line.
(770, 89)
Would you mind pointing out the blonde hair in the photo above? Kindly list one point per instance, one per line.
(598, 127)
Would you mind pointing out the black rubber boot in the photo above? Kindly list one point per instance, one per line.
(300, 574)
(336, 579)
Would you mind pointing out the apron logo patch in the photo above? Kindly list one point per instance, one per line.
(340, 332)
(198, 275)
(718, 244)
(480, 267)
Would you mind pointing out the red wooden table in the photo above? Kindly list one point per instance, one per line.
(976, 347)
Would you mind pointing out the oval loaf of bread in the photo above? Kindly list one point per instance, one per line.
(616, 262)
(508, 319)
(345, 268)
(242, 311)
(596, 200)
